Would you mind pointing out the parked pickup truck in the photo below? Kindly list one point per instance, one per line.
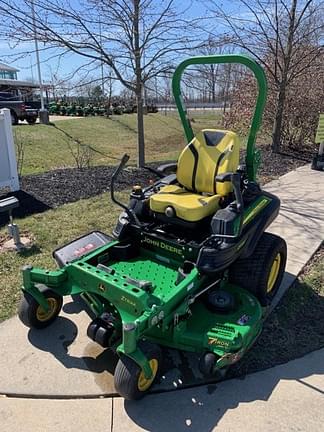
(18, 108)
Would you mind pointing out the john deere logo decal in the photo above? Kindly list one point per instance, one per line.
(162, 245)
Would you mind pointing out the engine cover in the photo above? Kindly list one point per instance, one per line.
(79, 247)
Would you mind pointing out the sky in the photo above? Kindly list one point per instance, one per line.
(67, 64)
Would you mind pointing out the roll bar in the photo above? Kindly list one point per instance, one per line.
(252, 156)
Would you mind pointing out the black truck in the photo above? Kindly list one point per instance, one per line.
(19, 110)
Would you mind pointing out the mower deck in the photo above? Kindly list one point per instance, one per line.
(144, 290)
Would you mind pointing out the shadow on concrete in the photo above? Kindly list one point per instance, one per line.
(302, 208)
(201, 408)
(76, 306)
(58, 338)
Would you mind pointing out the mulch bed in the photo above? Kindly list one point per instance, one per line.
(62, 186)
(275, 165)
(40, 192)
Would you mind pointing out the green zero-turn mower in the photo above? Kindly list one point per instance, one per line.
(189, 265)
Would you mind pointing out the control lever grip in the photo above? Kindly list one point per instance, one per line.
(121, 165)
(132, 216)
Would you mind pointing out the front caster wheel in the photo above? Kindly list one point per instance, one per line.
(130, 381)
(33, 315)
(207, 364)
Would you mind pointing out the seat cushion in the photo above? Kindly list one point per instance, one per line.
(187, 205)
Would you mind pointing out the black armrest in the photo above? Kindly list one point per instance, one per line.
(160, 171)
(8, 204)
(168, 167)
(224, 177)
(235, 179)
(154, 171)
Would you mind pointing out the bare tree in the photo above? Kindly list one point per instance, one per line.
(20, 150)
(209, 76)
(304, 102)
(276, 32)
(109, 94)
(136, 39)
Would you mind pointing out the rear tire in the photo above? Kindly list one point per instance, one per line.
(262, 272)
(31, 121)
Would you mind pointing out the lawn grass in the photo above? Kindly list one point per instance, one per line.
(313, 273)
(47, 146)
(48, 231)
(309, 286)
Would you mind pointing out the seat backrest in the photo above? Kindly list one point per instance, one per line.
(210, 153)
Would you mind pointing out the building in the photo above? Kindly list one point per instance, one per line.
(27, 91)
(8, 72)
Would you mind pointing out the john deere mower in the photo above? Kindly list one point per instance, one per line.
(189, 264)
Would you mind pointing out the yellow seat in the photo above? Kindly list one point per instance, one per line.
(188, 206)
(197, 193)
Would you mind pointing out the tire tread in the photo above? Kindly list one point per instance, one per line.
(251, 273)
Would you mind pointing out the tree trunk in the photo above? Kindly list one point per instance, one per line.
(278, 122)
(213, 88)
(227, 75)
(140, 130)
(139, 89)
(109, 96)
(277, 125)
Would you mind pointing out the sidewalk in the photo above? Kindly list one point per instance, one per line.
(289, 397)
(60, 363)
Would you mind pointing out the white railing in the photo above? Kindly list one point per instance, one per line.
(8, 164)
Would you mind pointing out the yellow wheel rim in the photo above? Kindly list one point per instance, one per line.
(43, 315)
(273, 275)
(144, 383)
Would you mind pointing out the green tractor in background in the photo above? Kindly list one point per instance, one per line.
(71, 110)
(54, 108)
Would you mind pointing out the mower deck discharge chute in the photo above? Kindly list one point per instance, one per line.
(189, 265)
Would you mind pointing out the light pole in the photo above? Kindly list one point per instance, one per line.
(144, 86)
(43, 113)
